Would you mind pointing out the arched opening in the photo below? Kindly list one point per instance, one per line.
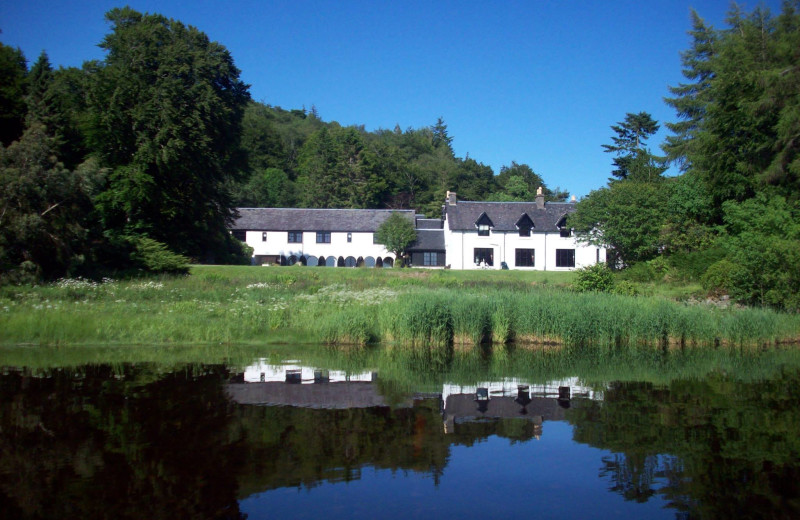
(331, 261)
(388, 262)
(350, 262)
(291, 260)
(311, 261)
(340, 262)
(379, 262)
(321, 262)
(360, 261)
(369, 261)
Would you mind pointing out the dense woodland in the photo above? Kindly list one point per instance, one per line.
(132, 161)
(731, 218)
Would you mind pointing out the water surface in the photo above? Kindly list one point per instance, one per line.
(365, 438)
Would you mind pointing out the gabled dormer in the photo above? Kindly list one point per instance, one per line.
(484, 224)
(563, 228)
(524, 225)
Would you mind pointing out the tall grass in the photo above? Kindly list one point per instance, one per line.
(423, 313)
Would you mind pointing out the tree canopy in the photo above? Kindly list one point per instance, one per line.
(396, 234)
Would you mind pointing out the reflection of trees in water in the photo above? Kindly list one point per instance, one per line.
(734, 449)
(129, 442)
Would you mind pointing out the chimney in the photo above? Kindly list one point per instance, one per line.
(539, 198)
(451, 198)
(573, 199)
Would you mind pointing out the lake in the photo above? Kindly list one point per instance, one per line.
(306, 433)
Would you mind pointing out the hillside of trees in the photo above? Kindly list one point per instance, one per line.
(138, 161)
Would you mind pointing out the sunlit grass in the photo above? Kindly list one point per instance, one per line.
(426, 312)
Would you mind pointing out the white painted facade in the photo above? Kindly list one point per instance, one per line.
(342, 244)
(461, 245)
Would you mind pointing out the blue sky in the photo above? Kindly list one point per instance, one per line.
(537, 82)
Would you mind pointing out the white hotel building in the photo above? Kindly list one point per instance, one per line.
(470, 235)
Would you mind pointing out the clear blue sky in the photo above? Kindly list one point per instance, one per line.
(537, 82)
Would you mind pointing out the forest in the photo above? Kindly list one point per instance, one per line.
(138, 161)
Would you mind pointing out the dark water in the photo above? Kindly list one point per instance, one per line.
(214, 441)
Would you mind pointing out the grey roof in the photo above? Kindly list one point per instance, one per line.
(429, 223)
(297, 219)
(464, 407)
(504, 215)
(326, 395)
(429, 240)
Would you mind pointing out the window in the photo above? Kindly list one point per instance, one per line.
(349, 237)
(484, 256)
(264, 236)
(565, 258)
(430, 258)
(483, 230)
(524, 231)
(323, 237)
(295, 237)
(525, 258)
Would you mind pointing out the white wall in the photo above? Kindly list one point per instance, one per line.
(460, 249)
(278, 244)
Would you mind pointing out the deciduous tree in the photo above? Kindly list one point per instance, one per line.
(166, 107)
(396, 234)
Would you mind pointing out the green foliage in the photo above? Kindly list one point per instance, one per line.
(13, 86)
(396, 234)
(627, 217)
(719, 277)
(625, 288)
(155, 257)
(166, 109)
(597, 277)
(764, 244)
(43, 220)
(633, 160)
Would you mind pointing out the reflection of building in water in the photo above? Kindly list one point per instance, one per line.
(266, 372)
(302, 386)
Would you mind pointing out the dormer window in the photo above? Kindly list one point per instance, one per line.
(484, 224)
(563, 229)
(524, 225)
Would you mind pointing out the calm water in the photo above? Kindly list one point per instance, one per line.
(302, 440)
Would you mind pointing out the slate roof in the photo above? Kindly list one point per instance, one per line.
(428, 240)
(429, 223)
(464, 407)
(504, 215)
(328, 395)
(298, 219)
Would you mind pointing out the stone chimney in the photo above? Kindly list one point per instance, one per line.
(539, 198)
(451, 198)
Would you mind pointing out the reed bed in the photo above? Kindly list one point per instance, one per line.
(428, 314)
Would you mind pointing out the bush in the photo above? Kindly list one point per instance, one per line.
(155, 257)
(596, 277)
(641, 272)
(718, 278)
(625, 288)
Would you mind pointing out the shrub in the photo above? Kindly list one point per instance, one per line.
(155, 257)
(718, 278)
(625, 288)
(596, 277)
(641, 272)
